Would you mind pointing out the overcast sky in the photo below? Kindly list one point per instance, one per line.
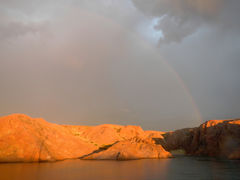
(159, 64)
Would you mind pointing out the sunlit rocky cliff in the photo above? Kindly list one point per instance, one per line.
(26, 139)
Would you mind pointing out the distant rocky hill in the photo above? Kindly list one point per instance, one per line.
(26, 139)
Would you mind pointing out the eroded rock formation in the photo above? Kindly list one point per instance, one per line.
(26, 139)
(218, 138)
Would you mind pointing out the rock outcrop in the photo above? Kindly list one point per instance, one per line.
(26, 139)
(134, 148)
(106, 134)
(216, 138)
(117, 142)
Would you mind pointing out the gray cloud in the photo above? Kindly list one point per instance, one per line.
(91, 62)
(88, 66)
(10, 30)
(181, 18)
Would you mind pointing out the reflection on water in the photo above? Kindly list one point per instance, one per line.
(177, 168)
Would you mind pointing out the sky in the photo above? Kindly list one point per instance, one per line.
(160, 64)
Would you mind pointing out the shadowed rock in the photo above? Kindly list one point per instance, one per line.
(217, 138)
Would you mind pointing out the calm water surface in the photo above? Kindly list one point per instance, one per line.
(184, 168)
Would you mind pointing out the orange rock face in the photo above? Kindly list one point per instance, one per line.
(24, 139)
(117, 142)
(106, 133)
(134, 148)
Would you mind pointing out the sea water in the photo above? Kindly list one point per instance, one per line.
(179, 168)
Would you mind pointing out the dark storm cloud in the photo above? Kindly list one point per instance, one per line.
(180, 18)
